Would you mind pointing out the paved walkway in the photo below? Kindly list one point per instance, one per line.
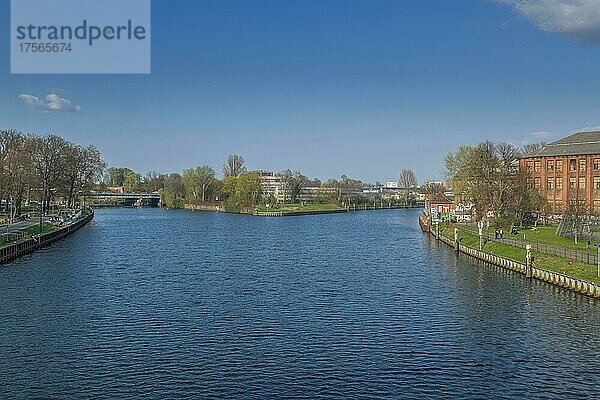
(17, 226)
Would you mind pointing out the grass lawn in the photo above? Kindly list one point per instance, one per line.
(34, 229)
(299, 208)
(551, 263)
(544, 235)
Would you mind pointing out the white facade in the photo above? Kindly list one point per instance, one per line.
(271, 185)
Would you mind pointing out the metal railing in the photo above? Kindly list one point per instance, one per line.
(575, 255)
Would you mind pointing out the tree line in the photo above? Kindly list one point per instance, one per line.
(42, 169)
(239, 186)
(488, 176)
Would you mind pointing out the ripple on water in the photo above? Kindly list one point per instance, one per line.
(175, 304)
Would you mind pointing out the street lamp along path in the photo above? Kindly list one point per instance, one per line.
(597, 245)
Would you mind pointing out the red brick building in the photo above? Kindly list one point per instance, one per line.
(441, 205)
(565, 166)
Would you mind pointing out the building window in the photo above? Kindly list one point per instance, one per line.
(537, 183)
(582, 164)
(596, 164)
(550, 184)
(597, 183)
(538, 166)
(529, 183)
(582, 183)
(572, 183)
(558, 183)
(550, 166)
(559, 165)
(529, 166)
(572, 165)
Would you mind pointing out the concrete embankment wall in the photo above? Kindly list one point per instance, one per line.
(21, 248)
(578, 285)
(293, 214)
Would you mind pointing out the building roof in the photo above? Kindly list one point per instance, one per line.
(580, 143)
(441, 198)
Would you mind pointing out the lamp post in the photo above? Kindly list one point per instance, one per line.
(42, 206)
(528, 261)
(9, 216)
(597, 245)
(456, 244)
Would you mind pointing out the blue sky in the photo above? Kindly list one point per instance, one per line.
(328, 87)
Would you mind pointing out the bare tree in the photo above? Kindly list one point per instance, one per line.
(48, 159)
(46, 167)
(16, 172)
(576, 212)
(153, 181)
(433, 188)
(488, 176)
(234, 166)
(292, 184)
(408, 181)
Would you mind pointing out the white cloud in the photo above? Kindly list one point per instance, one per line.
(579, 19)
(53, 102)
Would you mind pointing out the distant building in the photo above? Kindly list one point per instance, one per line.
(318, 194)
(392, 185)
(440, 183)
(273, 188)
(563, 167)
(271, 185)
(116, 189)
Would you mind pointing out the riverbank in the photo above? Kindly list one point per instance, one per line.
(555, 271)
(287, 210)
(290, 210)
(35, 242)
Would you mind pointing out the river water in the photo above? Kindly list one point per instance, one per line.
(175, 304)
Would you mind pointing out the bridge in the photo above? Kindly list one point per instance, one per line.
(124, 199)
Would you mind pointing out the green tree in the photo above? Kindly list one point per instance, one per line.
(173, 193)
(198, 182)
(116, 176)
(247, 188)
(132, 182)
(228, 188)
